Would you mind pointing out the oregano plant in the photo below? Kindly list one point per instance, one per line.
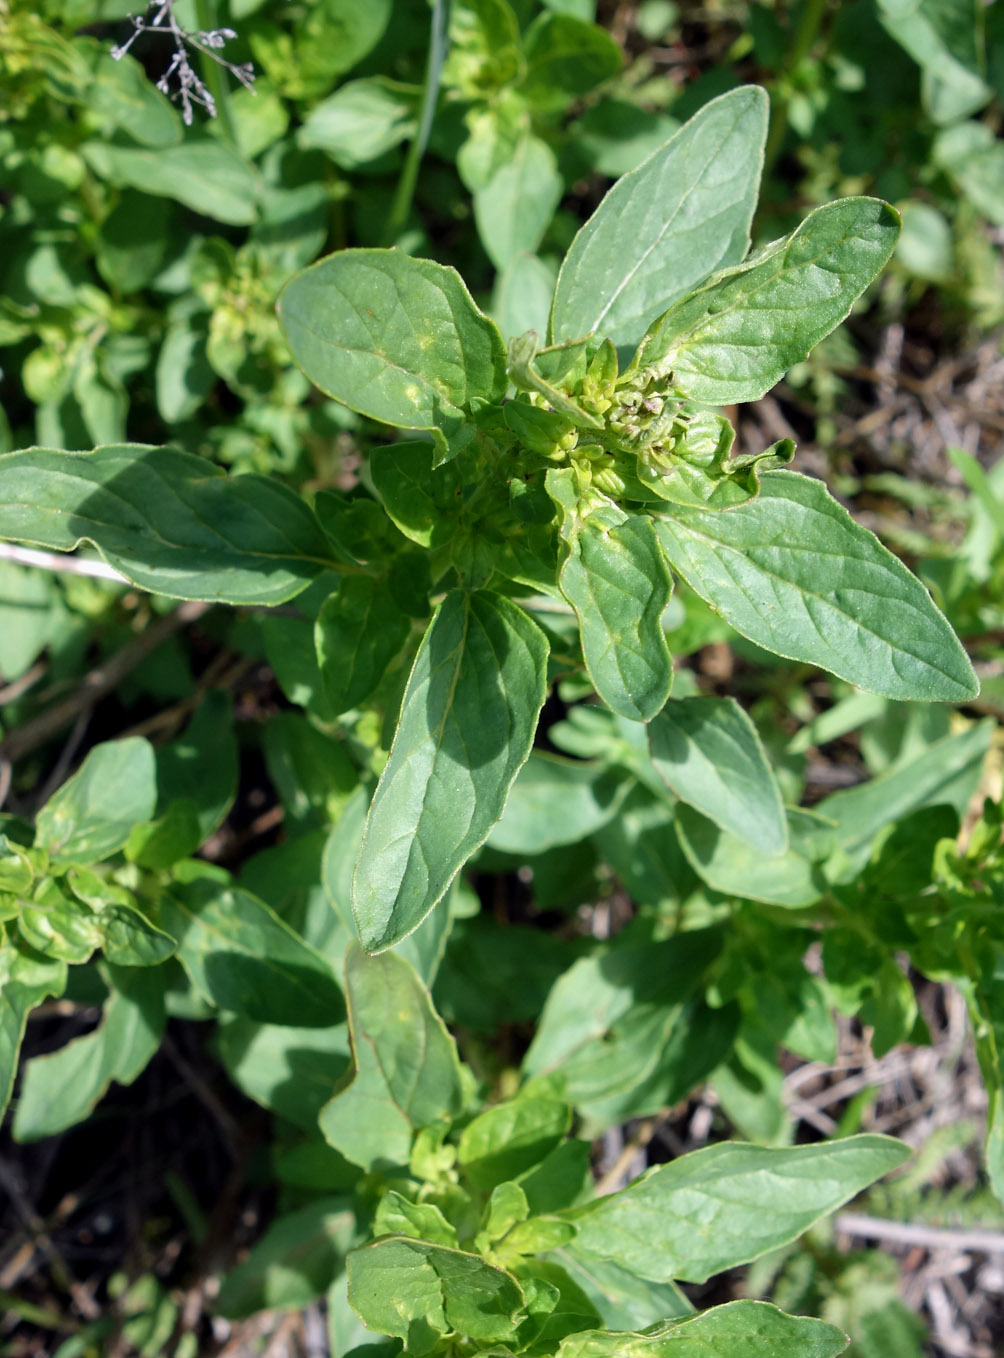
(523, 515)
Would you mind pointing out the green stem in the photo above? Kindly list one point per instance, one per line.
(212, 73)
(809, 24)
(438, 41)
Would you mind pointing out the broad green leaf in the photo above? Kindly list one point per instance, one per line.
(619, 1296)
(708, 752)
(615, 577)
(727, 1204)
(467, 724)
(948, 773)
(244, 959)
(405, 1073)
(514, 208)
(565, 58)
(557, 801)
(292, 1071)
(610, 1035)
(735, 868)
(794, 573)
(206, 176)
(420, 1291)
(737, 336)
(360, 122)
(739, 1329)
(294, 1262)
(424, 948)
(510, 1138)
(359, 631)
(26, 979)
(395, 338)
(90, 817)
(61, 1089)
(664, 227)
(171, 522)
(420, 497)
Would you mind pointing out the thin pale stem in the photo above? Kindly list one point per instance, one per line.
(405, 193)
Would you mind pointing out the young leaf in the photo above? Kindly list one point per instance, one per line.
(682, 214)
(794, 573)
(171, 522)
(91, 816)
(509, 1139)
(359, 631)
(395, 338)
(739, 1329)
(61, 1089)
(405, 1073)
(467, 723)
(727, 1204)
(615, 578)
(708, 752)
(247, 960)
(514, 208)
(738, 336)
(419, 1292)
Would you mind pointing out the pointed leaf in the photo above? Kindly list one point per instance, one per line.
(727, 1204)
(405, 1072)
(736, 868)
(359, 631)
(171, 522)
(615, 577)
(734, 339)
(419, 1292)
(665, 226)
(708, 751)
(509, 1139)
(26, 979)
(793, 572)
(739, 1329)
(247, 960)
(91, 816)
(467, 724)
(395, 338)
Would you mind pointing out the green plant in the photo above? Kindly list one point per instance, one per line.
(527, 533)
